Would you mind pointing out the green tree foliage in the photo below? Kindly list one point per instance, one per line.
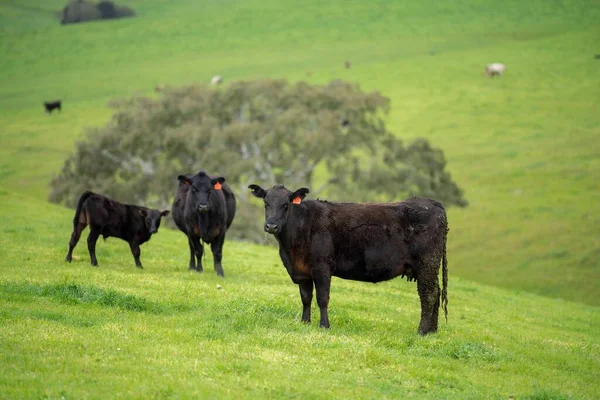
(330, 138)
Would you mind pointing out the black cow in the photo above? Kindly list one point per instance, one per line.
(51, 105)
(370, 242)
(109, 218)
(203, 209)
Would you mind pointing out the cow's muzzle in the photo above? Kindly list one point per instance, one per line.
(202, 208)
(271, 228)
(153, 230)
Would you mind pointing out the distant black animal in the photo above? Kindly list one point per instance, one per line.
(203, 209)
(109, 218)
(369, 242)
(597, 56)
(52, 105)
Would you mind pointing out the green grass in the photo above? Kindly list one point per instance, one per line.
(76, 331)
(525, 147)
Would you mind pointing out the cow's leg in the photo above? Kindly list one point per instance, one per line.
(192, 255)
(306, 294)
(323, 286)
(135, 250)
(198, 250)
(217, 249)
(91, 241)
(428, 288)
(74, 239)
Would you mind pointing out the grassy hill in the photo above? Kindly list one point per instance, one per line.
(75, 331)
(525, 147)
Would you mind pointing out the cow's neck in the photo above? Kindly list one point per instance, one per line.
(135, 225)
(204, 221)
(213, 214)
(295, 231)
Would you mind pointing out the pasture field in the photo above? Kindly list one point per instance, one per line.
(525, 147)
(524, 257)
(75, 331)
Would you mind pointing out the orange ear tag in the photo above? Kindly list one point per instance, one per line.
(218, 186)
(297, 200)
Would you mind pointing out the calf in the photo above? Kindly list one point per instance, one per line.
(52, 105)
(203, 209)
(109, 218)
(370, 242)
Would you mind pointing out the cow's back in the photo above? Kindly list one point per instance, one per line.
(110, 216)
(102, 211)
(346, 217)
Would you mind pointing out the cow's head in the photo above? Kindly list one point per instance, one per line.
(202, 187)
(152, 218)
(278, 203)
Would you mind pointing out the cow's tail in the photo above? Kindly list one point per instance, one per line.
(445, 273)
(82, 200)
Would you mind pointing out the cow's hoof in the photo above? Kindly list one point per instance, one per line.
(68, 259)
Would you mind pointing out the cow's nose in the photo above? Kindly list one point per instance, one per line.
(203, 208)
(153, 230)
(270, 228)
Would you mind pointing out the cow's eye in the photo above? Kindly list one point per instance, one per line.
(193, 189)
(285, 207)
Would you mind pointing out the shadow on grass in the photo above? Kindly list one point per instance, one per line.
(73, 293)
(43, 315)
(546, 394)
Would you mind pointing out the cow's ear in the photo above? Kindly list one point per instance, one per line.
(184, 179)
(143, 212)
(216, 182)
(299, 195)
(257, 191)
(165, 213)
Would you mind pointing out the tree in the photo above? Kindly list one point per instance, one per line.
(330, 138)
